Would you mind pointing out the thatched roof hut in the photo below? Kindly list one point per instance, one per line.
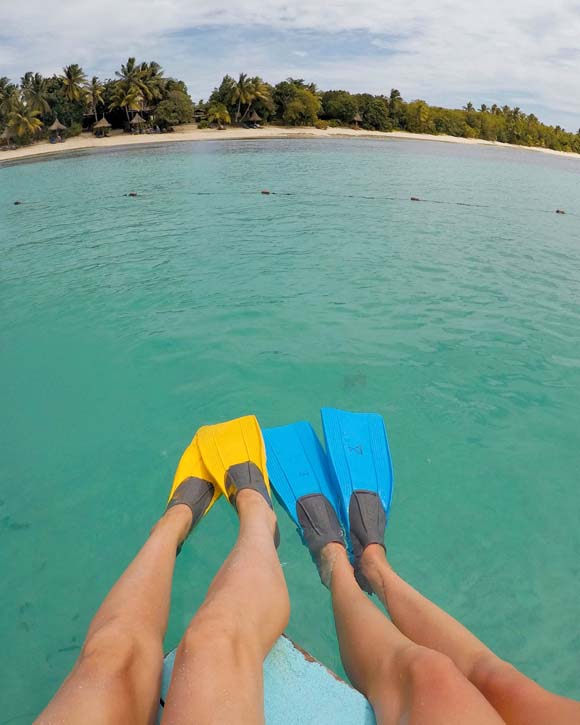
(357, 118)
(101, 128)
(137, 120)
(57, 126)
(254, 117)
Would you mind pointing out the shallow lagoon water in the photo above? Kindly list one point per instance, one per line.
(128, 322)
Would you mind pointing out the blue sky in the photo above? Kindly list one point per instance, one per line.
(522, 53)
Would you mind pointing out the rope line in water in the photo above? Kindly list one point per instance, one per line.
(367, 197)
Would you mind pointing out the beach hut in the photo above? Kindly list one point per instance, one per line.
(101, 128)
(136, 122)
(55, 129)
(254, 117)
(357, 118)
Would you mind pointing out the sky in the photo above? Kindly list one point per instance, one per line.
(518, 52)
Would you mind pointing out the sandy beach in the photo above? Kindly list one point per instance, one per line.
(190, 132)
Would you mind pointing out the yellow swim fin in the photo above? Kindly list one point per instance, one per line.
(193, 484)
(235, 456)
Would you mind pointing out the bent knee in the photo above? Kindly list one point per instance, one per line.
(116, 649)
(218, 638)
(431, 670)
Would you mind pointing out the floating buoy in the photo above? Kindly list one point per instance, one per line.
(16, 203)
(266, 192)
(415, 198)
(560, 211)
(132, 193)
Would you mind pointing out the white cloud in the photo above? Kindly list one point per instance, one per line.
(447, 52)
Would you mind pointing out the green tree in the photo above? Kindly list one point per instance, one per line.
(396, 109)
(35, 91)
(138, 84)
(260, 95)
(374, 111)
(22, 120)
(224, 92)
(176, 109)
(153, 80)
(303, 109)
(69, 112)
(418, 115)
(285, 92)
(94, 95)
(9, 100)
(127, 98)
(340, 105)
(73, 81)
(218, 113)
(242, 94)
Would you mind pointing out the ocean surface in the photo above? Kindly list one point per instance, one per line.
(125, 323)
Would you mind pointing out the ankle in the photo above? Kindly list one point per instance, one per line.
(175, 521)
(251, 505)
(373, 562)
(331, 556)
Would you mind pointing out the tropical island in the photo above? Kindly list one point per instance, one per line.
(140, 99)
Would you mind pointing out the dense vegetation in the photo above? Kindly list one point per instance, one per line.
(28, 109)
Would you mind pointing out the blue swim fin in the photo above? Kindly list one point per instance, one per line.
(299, 473)
(360, 462)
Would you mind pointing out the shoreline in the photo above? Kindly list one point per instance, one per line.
(87, 142)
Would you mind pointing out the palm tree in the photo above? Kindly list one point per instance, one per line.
(35, 93)
(395, 96)
(258, 91)
(94, 94)
(153, 81)
(218, 113)
(127, 97)
(242, 93)
(6, 90)
(22, 120)
(9, 99)
(396, 107)
(132, 77)
(73, 80)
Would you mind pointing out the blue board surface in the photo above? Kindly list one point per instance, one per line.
(298, 690)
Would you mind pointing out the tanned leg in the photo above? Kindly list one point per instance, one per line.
(403, 681)
(117, 677)
(218, 671)
(519, 700)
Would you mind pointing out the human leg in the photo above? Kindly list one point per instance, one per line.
(217, 676)
(517, 698)
(118, 674)
(402, 680)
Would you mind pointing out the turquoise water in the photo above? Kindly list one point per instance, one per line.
(128, 322)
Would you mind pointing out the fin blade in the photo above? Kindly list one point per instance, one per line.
(191, 465)
(297, 465)
(359, 456)
(226, 444)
